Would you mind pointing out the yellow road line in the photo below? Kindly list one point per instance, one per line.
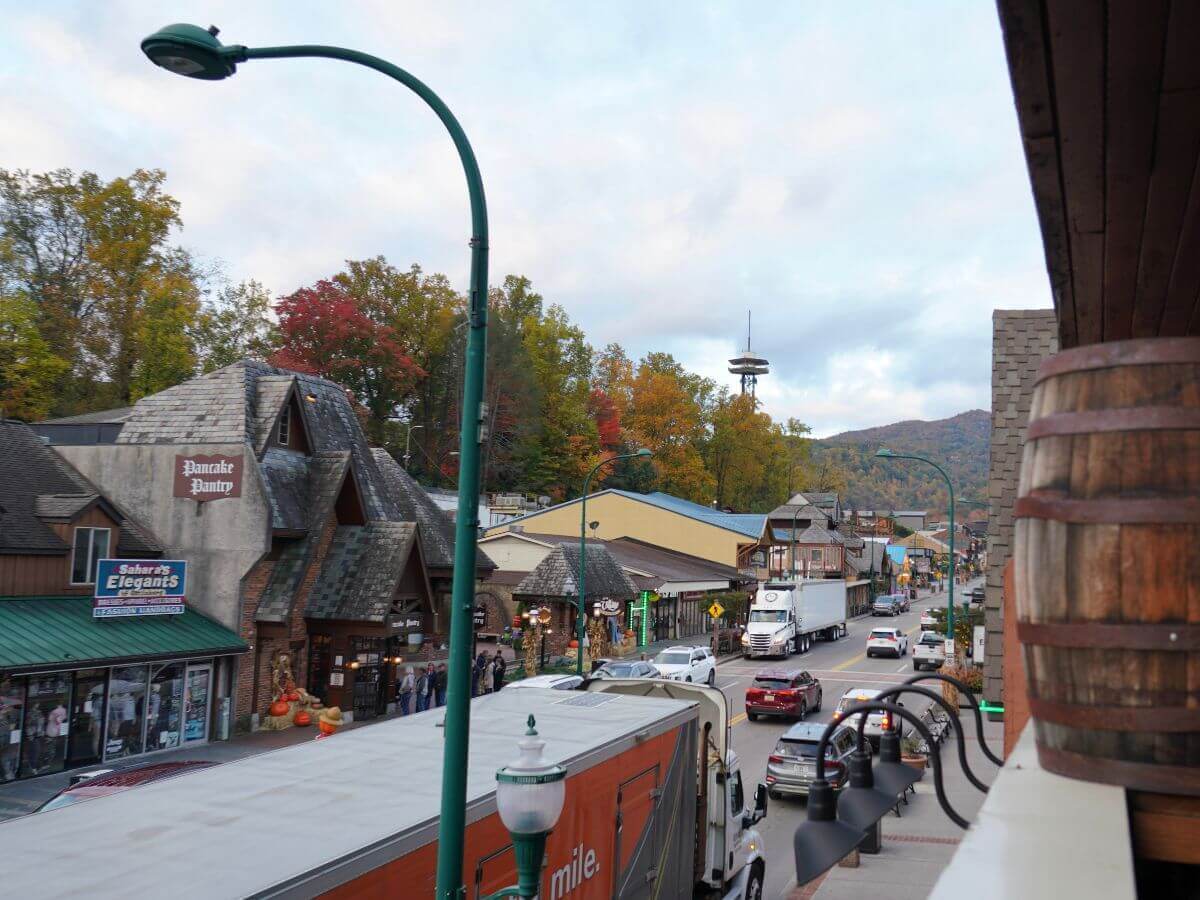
(848, 663)
(740, 717)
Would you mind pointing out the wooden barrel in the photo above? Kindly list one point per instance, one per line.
(1107, 552)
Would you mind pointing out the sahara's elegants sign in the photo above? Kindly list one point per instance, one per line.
(203, 477)
(139, 587)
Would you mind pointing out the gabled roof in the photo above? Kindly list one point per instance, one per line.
(271, 393)
(824, 498)
(799, 512)
(37, 485)
(557, 576)
(361, 571)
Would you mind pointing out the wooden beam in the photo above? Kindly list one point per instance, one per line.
(1136, 37)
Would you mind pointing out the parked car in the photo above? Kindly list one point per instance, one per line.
(104, 782)
(886, 605)
(929, 650)
(554, 682)
(687, 664)
(783, 692)
(877, 722)
(792, 765)
(620, 668)
(928, 619)
(889, 641)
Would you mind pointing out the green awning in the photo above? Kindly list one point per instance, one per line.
(44, 633)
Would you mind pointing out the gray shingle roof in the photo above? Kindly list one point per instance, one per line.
(36, 483)
(798, 511)
(286, 475)
(322, 481)
(211, 409)
(100, 417)
(437, 529)
(557, 575)
(270, 392)
(361, 570)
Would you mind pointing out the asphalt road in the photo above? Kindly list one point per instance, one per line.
(839, 665)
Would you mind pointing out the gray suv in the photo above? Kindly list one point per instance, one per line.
(792, 765)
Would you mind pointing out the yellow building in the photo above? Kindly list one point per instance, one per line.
(732, 539)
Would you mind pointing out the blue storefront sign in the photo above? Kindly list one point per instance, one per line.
(139, 587)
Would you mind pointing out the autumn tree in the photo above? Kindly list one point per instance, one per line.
(323, 331)
(29, 370)
(666, 415)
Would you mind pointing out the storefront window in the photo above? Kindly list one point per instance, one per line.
(165, 707)
(195, 724)
(44, 738)
(126, 712)
(84, 745)
(12, 706)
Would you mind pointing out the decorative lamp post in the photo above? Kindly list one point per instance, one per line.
(529, 798)
(885, 453)
(407, 444)
(580, 612)
(196, 53)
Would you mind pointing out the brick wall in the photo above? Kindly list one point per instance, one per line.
(253, 586)
(1021, 339)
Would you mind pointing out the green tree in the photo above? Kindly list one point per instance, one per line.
(235, 325)
(29, 370)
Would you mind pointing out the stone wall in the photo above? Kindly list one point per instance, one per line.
(1021, 339)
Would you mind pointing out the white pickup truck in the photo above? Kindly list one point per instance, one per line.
(929, 650)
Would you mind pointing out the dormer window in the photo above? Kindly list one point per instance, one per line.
(90, 546)
(285, 425)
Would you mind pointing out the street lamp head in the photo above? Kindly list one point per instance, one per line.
(530, 791)
(192, 51)
(643, 451)
(884, 452)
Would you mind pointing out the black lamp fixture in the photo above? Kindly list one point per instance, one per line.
(822, 839)
(861, 804)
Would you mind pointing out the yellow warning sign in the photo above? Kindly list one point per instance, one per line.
(544, 615)
(716, 610)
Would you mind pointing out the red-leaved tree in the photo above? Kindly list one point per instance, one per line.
(324, 332)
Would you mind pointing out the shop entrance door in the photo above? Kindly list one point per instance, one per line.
(368, 677)
(85, 745)
(195, 717)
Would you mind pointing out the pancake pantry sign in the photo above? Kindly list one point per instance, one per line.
(205, 477)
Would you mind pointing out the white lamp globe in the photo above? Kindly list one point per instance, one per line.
(530, 791)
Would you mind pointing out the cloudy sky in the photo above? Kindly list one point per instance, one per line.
(850, 172)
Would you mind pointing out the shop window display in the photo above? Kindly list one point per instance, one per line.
(44, 736)
(84, 745)
(165, 707)
(126, 712)
(12, 707)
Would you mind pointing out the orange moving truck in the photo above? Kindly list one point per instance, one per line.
(655, 808)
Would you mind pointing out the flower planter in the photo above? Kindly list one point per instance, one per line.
(916, 760)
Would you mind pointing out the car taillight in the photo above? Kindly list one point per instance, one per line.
(887, 721)
(753, 692)
(775, 758)
(834, 770)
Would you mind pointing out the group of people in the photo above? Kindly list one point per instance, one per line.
(426, 688)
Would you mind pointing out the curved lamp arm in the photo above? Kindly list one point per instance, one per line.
(938, 676)
(934, 757)
(937, 698)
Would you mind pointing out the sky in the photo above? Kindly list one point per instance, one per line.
(851, 173)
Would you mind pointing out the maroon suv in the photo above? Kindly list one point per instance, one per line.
(783, 692)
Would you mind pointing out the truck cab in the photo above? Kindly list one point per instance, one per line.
(771, 629)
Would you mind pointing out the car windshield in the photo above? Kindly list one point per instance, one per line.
(930, 638)
(617, 670)
(768, 615)
(802, 749)
(772, 682)
(883, 633)
(673, 658)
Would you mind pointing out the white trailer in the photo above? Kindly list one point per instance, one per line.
(787, 616)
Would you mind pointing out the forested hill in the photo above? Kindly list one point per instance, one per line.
(959, 444)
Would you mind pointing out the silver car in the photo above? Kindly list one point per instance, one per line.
(792, 765)
(877, 722)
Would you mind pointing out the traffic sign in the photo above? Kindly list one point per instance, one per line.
(716, 610)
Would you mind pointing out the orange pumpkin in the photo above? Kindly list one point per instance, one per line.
(292, 696)
(326, 727)
(573, 644)
(302, 718)
(278, 708)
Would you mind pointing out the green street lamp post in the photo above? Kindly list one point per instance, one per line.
(580, 612)
(884, 453)
(196, 53)
(529, 798)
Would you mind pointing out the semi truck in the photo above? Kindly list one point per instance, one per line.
(655, 807)
(787, 616)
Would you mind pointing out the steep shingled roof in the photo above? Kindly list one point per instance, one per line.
(557, 575)
(36, 484)
(361, 570)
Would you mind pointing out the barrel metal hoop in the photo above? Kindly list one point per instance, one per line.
(1141, 776)
(1129, 418)
(1114, 354)
(1110, 635)
(1110, 510)
(1143, 719)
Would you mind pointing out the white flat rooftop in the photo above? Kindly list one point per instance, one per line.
(244, 827)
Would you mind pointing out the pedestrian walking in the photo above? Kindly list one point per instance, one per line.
(430, 686)
(442, 676)
(423, 691)
(500, 667)
(477, 676)
(407, 686)
(487, 681)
